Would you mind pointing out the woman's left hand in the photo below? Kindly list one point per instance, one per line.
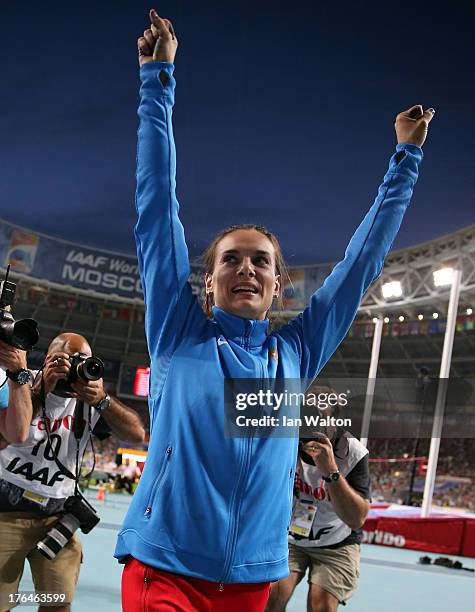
(412, 125)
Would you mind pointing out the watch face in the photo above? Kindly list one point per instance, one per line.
(103, 404)
(22, 377)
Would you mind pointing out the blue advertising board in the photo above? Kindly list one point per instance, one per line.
(66, 263)
(46, 258)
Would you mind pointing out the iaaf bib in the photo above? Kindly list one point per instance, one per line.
(31, 465)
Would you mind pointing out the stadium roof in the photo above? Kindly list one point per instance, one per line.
(65, 266)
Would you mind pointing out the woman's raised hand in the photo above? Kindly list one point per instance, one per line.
(412, 125)
(158, 43)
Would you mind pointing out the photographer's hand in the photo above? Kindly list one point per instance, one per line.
(56, 367)
(323, 455)
(90, 391)
(158, 43)
(12, 358)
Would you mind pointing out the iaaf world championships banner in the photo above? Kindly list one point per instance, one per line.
(52, 259)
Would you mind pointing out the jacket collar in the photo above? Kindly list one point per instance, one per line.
(245, 332)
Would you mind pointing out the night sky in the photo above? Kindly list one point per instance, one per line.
(284, 116)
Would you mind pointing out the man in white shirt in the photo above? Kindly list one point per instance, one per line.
(34, 481)
(331, 502)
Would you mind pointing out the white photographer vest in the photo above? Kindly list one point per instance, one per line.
(31, 465)
(327, 528)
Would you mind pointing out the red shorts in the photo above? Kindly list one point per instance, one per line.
(145, 589)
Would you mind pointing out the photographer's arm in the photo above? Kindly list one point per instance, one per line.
(347, 503)
(16, 418)
(124, 422)
(350, 506)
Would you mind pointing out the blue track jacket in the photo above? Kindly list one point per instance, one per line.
(208, 506)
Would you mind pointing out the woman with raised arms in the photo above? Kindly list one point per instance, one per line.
(207, 526)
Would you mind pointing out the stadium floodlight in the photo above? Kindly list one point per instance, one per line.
(443, 277)
(420, 317)
(438, 418)
(435, 315)
(386, 319)
(375, 319)
(401, 318)
(392, 289)
(469, 311)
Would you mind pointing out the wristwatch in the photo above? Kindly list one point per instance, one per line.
(332, 476)
(21, 376)
(103, 404)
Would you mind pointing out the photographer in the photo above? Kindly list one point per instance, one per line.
(15, 405)
(39, 475)
(331, 502)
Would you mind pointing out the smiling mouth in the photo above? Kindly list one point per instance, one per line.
(243, 290)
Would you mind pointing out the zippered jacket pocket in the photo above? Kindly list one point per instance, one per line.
(158, 481)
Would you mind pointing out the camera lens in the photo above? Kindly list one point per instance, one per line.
(91, 368)
(58, 536)
(94, 369)
(25, 334)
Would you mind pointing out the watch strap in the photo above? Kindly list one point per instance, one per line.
(103, 404)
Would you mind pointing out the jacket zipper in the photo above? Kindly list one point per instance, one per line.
(247, 335)
(158, 481)
(236, 502)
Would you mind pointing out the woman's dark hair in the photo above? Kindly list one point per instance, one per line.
(209, 260)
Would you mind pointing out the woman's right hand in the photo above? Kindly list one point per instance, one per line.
(158, 43)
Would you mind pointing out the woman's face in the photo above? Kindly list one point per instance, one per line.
(244, 282)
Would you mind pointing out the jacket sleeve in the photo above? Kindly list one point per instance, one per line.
(161, 248)
(316, 333)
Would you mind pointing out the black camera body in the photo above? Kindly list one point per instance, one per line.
(77, 513)
(82, 368)
(22, 334)
(79, 507)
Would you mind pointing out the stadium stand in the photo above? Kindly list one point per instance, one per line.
(412, 339)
